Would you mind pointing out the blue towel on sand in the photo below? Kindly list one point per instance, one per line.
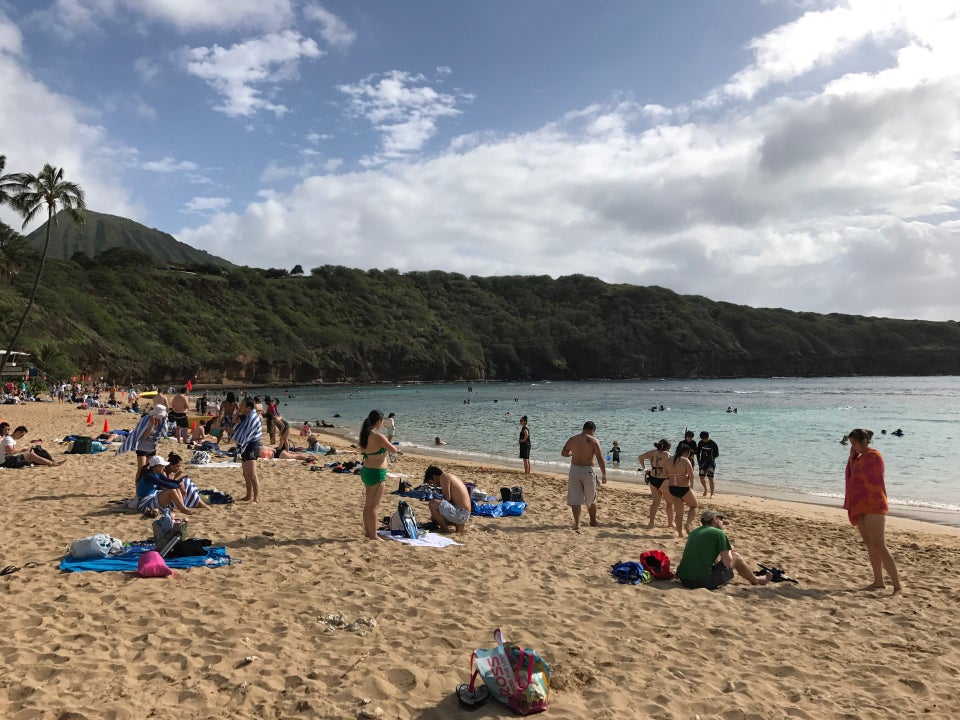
(504, 509)
(215, 557)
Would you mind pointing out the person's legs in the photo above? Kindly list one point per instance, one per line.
(31, 457)
(873, 531)
(172, 495)
(703, 481)
(526, 466)
(592, 510)
(710, 481)
(435, 515)
(655, 499)
(576, 516)
(690, 499)
(740, 565)
(371, 502)
(251, 481)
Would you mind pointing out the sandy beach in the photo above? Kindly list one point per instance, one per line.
(257, 639)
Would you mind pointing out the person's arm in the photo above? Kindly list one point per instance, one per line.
(726, 557)
(716, 451)
(567, 450)
(598, 453)
(643, 458)
(384, 443)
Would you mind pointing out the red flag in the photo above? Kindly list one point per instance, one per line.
(189, 386)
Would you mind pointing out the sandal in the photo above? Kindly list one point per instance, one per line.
(472, 698)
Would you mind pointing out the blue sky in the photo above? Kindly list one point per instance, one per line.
(775, 153)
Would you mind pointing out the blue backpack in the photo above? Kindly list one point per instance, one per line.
(631, 572)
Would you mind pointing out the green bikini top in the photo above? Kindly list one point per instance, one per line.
(381, 451)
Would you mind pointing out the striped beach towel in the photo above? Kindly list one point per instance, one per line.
(132, 438)
(249, 430)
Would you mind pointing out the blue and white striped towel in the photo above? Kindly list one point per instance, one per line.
(249, 430)
(133, 437)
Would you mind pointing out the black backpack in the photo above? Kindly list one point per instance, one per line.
(511, 494)
(82, 445)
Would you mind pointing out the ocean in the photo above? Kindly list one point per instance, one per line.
(783, 441)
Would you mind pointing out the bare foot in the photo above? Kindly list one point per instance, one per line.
(763, 579)
(245, 499)
(650, 526)
(594, 523)
(874, 586)
(576, 527)
(897, 590)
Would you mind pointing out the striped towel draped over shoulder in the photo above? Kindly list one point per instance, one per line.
(133, 437)
(249, 430)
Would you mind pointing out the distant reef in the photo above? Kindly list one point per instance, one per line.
(135, 313)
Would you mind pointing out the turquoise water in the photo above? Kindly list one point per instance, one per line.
(784, 437)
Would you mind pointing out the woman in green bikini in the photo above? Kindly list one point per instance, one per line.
(374, 449)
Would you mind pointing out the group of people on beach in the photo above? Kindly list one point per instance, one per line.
(708, 558)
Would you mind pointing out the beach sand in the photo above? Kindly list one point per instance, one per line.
(255, 639)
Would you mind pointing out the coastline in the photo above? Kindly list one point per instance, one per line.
(905, 516)
(278, 633)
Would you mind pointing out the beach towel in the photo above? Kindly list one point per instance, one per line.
(214, 465)
(503, 509)
(866, 493)
(131, 440)
(249, 430)
(128, 561)
(428, 540)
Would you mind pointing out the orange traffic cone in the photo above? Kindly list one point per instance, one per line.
(89, 418)
(106, 426)
(194, 426)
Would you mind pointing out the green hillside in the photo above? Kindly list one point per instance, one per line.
(101, 232)
(117, 316)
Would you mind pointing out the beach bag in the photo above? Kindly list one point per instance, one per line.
(41, 452)
(191, 547)
(82, 445)
(200, 457)
(631, 572)
(404, 522)
(95, 546)
(658, 563)
(516, 676)
(151, 564)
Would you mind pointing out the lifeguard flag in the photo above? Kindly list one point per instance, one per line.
(189, 386)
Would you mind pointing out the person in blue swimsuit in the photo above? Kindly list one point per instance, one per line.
(374, 449)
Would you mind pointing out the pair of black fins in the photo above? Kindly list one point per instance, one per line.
(776, 574)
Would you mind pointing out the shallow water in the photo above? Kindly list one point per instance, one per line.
(783, 439)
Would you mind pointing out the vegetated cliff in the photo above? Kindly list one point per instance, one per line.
(121, 317)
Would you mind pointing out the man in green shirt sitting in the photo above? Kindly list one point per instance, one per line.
(708, 559)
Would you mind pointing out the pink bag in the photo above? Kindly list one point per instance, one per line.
(151, 564)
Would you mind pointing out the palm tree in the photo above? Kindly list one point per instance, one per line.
(7, 182)
(29, 194)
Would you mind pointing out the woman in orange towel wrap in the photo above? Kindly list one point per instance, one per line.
(866, 504)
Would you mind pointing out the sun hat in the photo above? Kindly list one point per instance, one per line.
(156, 460)
(709, 515)
(158, 411)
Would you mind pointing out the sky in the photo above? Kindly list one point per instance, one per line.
(802, 154)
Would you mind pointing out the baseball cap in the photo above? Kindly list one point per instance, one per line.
(709, 515)
(156, 460)
(158, 411)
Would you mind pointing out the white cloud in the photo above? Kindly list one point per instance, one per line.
(244, 71)
(76, 17)
(169, 165)
(845, 199)
(403, 108)
(38, 126)
(333, 29)
(146, 68)
(206, 204)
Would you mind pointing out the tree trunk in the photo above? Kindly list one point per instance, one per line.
(33, 293)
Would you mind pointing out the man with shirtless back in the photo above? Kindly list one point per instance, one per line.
(455, 506)
(178, 415)
(582, 484)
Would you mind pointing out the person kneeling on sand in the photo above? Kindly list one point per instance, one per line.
(708, 559)
(454, 509)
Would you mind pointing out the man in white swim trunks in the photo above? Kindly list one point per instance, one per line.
(582, 449)
(454, 508)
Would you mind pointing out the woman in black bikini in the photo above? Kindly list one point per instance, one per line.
(679, 471)
(656, 477)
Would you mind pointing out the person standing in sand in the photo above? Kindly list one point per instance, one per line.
(582, 483)
(865, 501)
(680, 477)
(708, 559)
(454, 508)
(374, 449)
(525, 445)
(178, 415)
(247, 435)
(659, 457)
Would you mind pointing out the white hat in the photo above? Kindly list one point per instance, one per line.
(156, 460)
(158, 411)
